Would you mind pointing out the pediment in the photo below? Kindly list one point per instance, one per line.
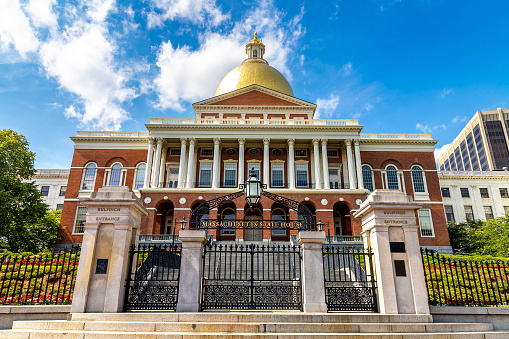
(255, 95)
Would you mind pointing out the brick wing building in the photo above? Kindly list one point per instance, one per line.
(255, 123)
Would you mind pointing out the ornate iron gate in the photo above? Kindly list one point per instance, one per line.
(350, 283)
(252, 277)
(153, 280)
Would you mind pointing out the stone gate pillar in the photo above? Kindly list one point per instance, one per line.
(313, 288)
(389, 227)
(112, 225)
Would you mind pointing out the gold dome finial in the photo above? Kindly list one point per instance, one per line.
(255, 40)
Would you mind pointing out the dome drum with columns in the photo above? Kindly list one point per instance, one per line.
(254, 122)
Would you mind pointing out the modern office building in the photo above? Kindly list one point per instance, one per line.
(255, 123)
(481, 146)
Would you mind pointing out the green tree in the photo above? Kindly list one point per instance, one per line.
(492, 237)
(462, 235)
(23, 214)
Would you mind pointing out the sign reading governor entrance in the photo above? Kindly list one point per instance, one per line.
(252, 224)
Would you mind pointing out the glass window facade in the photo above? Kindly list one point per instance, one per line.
(452, 163)
(503, 193)
(228, 219)
(472, 153)
(496, 142)
(392, 178)
(446, 165)
(445, 192)
(81, 217)
(464, 192)
(457, 156)
(140, 176)
(230, 174)
(277, 175)
(418, 180)
(449, 213)
(488, 212)
(301, 174)
(44, 191)
(484, 192)
(367, 177)
(205, 175)
(465, 156)
(116, 175)
(469, 212)
(425, 222)
(89, 177)
(254, 166)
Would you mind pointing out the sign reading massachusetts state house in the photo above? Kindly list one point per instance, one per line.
(252, 224)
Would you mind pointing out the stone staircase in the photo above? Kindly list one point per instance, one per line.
(257, 325)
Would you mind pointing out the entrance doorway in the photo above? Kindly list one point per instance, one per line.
(253, 234)
(168, 223)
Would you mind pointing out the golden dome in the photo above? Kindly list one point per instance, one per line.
(254, 70)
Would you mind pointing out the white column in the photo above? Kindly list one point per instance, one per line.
(162, 168)
(358, 164)
(344, 166)
(216, 166)
(266, 162)
(241, 161)
(182, 164)
(312, 271)
(190, 164)
(349, 156)
(325, 160)
(316, 151)
(291, 163)
(155, 177)
(148, 167)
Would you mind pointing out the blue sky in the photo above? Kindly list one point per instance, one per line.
(407, 66)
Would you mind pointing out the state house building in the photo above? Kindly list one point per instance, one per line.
(255, 123)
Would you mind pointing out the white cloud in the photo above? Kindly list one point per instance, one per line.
(15, 30)
(459, 119)
(98, 10)
(82, 61)
(445, 92)
(326, 106)
(426, 128)
(439, 151)
(41, 13)
(347, 68)
(189, 75)
(196, 11)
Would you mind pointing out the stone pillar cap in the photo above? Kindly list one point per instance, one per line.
(393, 199)
(110, 195)
(311, 237)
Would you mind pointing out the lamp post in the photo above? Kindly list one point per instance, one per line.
(183, 223)
(319, 225)
(253, 188)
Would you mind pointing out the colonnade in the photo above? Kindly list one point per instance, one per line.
(156, 158)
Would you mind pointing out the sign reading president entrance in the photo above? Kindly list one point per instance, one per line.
(297, 225)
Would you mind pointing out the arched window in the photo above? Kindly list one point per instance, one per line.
(228, 221)
(367, 177)
(418, 179)
(278, 217)
(392, 178)
(89, 177)
(116, 174)
(140, 176)
(255, 54)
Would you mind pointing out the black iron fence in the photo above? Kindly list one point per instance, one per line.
(39, 279)
(453, 282)
(350, 283)
(153, 280)
(252, 277)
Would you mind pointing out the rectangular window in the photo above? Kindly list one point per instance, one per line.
(174, 151)
(449, 213)
(81, 217)
(205, 175)
(254, 166)
(332, 153)
(301, 152)
(484, 192)
(464, 192)
(503, 193)
(230, 174)
(301, 173)
(59, 207)
(488, 211)
(506, 209)
(44, 191)
(425, 222)
(277, 175)
(469, 213)
(207, 152)
(63, 189)
(445, 192)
